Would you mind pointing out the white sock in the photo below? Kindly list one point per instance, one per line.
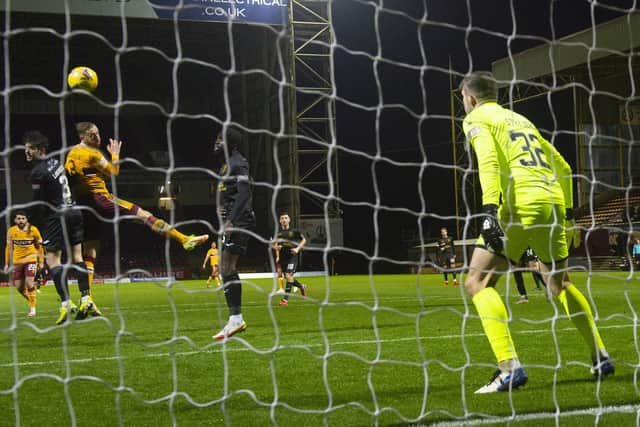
(509, 365)
(65, 304)
(236, 318)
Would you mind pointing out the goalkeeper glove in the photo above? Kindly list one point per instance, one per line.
(490, 229)
(574, 237)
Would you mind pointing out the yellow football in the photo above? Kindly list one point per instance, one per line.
(83, 78)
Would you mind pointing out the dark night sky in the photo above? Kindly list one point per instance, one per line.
(390, 95)
(471, 39)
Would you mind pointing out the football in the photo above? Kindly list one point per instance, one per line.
(83, 78)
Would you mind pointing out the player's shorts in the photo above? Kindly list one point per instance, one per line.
(448, 260)
(24, 269)
(289, 263)
(540, 227)
(55, 236)
(105, 204)
(236, 242)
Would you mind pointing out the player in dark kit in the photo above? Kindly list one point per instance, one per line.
(289, 242)
(447, 256)
(528, 261)
(237, 213)
(62, 224)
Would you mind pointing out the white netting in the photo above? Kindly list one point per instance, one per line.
(352, 123)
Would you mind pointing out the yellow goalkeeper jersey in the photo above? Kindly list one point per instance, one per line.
(26, 244)
(88, 168)
(516, 165)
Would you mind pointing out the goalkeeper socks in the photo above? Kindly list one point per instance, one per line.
(233, 292)
(61, 288)
(280, 281)
(83, 278)
(577, 307)
(493, 315)
(161, 227)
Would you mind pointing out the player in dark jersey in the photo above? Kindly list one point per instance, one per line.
(239, 220)
(62, 224)
(289, 242)
(447, 256)
(529, 261)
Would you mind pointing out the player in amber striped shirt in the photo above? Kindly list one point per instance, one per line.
(24, 254)
(88, 169)
(212, 257)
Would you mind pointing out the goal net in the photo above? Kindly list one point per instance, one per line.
(351, 121)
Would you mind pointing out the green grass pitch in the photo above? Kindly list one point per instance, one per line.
(386, 350)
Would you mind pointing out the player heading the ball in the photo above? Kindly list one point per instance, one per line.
(87, 169)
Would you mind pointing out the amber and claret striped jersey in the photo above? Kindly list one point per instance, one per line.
(87, 168)
(213, 256)
(27, 244)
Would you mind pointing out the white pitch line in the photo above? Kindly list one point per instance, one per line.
(596, 410)
(283, 345)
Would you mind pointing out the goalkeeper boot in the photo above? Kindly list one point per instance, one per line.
(193, 241)
(603, 368)
(230, 329)
(86, 306)
(504, 381)
(64, 314)
(94, 311)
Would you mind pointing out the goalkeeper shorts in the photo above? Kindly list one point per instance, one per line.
(540, 227)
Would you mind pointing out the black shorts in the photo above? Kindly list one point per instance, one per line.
(448, 260)
(236, 242)
(55, 236)
(289, 263)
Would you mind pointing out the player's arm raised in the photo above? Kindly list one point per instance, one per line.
(111, 168)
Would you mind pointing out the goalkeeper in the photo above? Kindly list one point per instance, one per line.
(527, 194)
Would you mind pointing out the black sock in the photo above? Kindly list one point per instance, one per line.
(233, 293)
(83, 278)
(538, 279)
(454, 276)
(446, 277)
(517, 275)
(297, 284)
(61, 288)
(287, 290)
